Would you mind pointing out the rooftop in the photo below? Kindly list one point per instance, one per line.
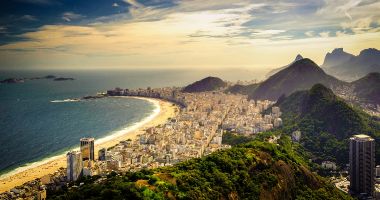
(87, 139)
(361, 137)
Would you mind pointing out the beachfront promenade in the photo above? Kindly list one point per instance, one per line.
(193, 129)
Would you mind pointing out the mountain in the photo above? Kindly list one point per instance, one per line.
(368, 88)
(301, 75)
(358, 66)
(326, 123)
(206, 84)
(336, 57)
(257, 170)
(273, 71)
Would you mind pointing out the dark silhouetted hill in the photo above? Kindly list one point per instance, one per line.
(326, 122)
(206, 84)
(301, 75)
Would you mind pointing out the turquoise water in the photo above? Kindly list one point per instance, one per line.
(33, 128)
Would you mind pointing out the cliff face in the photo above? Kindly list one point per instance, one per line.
(336, 57)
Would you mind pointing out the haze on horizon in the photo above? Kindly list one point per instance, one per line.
(197, 34)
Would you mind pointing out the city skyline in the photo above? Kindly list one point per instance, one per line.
(130, 34)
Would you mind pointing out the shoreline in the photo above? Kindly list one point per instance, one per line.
(163, 110)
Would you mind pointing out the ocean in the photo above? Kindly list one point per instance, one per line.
(33, 128)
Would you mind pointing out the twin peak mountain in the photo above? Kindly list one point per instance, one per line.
(303, 74)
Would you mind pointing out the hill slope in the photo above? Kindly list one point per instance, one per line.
(368, 88)
(301, 75)
(298, 57)
(326, 122)
(256, 170)
(206, 84)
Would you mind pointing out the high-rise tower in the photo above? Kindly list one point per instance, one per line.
(74, 165)
(362, 165)
(87, 148)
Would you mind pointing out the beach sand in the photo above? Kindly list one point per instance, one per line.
(167, 110)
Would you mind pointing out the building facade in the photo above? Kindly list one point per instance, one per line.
(87, 148)
(362, 165)
(74, 165)
(102, 154)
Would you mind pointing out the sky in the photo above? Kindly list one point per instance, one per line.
(181, 34)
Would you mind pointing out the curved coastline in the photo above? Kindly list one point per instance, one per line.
(162, 111)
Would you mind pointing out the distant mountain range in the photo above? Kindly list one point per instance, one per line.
(300, 75)
(349, 67)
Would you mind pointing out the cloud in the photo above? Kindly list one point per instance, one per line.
(3, 29)
(309, 33)
(362, 25)
(199, 32)
(28, 18)
(340, 33)
(115, 5)
(350, 9)
(134, 3)
(324, 34)
(69, 16)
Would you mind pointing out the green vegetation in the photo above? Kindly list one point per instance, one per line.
(234, 139)
(252, 168)
(255, 170)
(326, 123)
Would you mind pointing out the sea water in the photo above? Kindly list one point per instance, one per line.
(35, 123)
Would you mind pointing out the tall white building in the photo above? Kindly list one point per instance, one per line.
(74, 165)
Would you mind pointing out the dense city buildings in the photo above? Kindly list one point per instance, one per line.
(87, 148)
(197, 130)
(74, 165)
(362, 166)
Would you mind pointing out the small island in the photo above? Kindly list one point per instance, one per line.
(63, 79)
(12, 80)
(22, 80)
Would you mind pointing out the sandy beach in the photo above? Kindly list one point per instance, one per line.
(166, 110)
